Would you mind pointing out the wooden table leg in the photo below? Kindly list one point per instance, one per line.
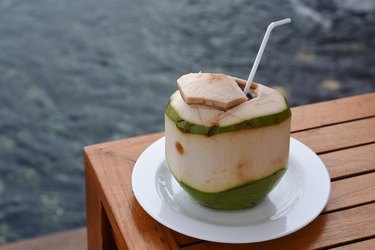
(99, 233)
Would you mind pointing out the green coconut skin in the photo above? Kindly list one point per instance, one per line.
(244, 196)
(257, 122)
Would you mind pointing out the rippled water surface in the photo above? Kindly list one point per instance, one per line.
(78, 72)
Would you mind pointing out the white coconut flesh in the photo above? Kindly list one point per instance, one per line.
(227, 160)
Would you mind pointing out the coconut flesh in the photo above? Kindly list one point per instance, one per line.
(225, 150)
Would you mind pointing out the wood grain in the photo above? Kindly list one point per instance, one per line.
(128, 149)
(324, 232)
(349, 162)
(362, 245)
(184, 240)
(338, 136)
(95, 223)
(69, 240)
(352, 192)
(332, 112)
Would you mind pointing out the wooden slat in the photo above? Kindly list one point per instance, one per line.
(128, 149)
(338, 136)
(326, 231)
(112, 179)
(352, 192)
(362, 245)
(97, 236)
(69, 240)
(332, 112)
(350, 162)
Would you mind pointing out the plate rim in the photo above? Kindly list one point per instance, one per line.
(161, 157)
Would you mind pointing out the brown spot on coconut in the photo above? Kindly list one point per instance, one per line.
(179, 148)
(240, 168)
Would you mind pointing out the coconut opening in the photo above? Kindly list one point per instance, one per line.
(253, 92)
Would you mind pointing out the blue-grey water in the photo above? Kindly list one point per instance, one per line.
(78, 72)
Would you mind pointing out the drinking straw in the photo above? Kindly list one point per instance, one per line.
(261, 49)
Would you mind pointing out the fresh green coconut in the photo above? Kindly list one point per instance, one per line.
(226, 150)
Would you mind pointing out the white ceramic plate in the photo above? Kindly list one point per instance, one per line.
(297, 200)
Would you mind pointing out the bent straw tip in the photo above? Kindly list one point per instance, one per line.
(280, 22)
(261, 49)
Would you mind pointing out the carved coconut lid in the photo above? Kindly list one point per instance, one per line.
(211, 90)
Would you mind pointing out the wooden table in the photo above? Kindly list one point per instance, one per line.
(341, 132)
